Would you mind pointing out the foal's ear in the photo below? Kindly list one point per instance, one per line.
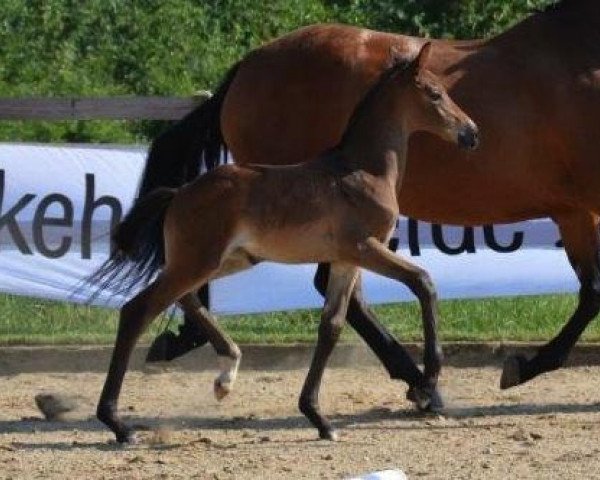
(397, 57)
(421, 59)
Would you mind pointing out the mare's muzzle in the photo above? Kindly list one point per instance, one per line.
(468, 137)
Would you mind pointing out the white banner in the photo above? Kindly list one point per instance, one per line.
(56, 206)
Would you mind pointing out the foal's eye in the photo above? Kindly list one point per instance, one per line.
(435, 95)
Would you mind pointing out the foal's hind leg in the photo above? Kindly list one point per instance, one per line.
(135, 317)
(374, 256)
(228, 352)
(339, 288)
(579, 232)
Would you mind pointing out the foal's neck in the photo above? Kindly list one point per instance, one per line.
(376, 143)
(376, 137)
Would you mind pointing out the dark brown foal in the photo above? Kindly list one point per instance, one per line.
(340, 208)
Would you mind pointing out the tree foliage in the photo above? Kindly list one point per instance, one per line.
(177, 47)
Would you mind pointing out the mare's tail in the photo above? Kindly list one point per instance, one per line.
(177, 154)
(138, 245)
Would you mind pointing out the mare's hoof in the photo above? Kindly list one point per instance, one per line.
(164, 348)
(168, 345)
(427, 399)
(329, 434)
(511, 371)
(221, 389)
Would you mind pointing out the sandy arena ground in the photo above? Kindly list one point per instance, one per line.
(547, 429)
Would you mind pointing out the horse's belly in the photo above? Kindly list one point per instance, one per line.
(453, 190)
(307, 244)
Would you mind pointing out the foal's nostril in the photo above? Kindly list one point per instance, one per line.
(475, 139)
(468, 137)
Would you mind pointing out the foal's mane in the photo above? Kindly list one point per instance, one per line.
(397, 67)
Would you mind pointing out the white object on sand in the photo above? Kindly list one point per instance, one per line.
(383, 475)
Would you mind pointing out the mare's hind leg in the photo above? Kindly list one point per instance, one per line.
(229, 354)
(339, 288)
(392, 354)
(374, 256)
(169, 345)
(135, 317)
(581, 240)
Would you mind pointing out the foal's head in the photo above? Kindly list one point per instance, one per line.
(422, 102)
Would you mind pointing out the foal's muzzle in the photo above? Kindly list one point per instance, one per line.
(468, 137)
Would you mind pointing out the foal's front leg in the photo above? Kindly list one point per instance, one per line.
(392, 354)
(374, 256)
(229, 354)
(339, 289)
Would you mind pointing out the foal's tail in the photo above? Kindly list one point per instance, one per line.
(138, 245)
(177, 154)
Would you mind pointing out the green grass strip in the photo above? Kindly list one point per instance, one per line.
(33, 321)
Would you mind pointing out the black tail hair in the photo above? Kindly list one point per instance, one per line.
(177, 154)
(138, 246)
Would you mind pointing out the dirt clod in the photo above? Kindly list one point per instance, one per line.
(53, 406)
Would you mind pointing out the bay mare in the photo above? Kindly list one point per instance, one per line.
(235, 217)
(533, 90)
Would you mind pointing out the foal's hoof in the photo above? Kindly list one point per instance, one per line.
(128, 437)
(221, 389)
(329, 434)
(511, 371)
(427, 399)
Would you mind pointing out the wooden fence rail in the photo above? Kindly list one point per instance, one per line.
(108, 108)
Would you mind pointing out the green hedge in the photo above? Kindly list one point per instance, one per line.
(176, 47)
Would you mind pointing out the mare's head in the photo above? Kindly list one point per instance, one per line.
(423, 104)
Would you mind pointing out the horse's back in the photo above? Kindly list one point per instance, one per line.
(291, 99)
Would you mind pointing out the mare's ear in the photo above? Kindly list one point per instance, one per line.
(421, 59)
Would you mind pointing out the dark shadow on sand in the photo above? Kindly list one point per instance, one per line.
(415, 421)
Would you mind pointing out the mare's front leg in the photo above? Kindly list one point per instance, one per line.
(392, 354)
(339, 288)
(135, 317)
(374, 256)
(229, 354)
(579, 232)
